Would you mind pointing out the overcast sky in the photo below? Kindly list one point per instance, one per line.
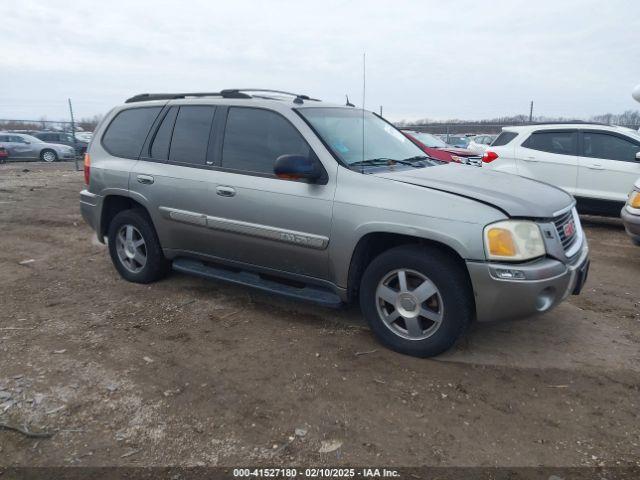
(436, 59)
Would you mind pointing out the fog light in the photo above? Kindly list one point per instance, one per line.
(545, 299)
(510, 274)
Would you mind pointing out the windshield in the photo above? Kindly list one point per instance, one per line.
(457, 141)
(342, 130)
(428, 140)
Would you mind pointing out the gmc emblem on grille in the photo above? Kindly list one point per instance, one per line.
(569, 229)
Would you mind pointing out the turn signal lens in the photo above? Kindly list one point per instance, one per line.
(501, 242)
(634, 200)
(87, 168)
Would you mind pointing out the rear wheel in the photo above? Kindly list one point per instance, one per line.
(417, 300)
(48, 156)
(135, 249)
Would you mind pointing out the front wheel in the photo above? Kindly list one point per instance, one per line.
(417, 300)
(135, 249)
(48, 156)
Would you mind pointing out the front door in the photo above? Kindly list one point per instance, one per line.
(267, 221)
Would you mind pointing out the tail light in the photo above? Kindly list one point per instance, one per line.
(489, 156)
(87, 168)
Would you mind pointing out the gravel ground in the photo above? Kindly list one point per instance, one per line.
(191, 372)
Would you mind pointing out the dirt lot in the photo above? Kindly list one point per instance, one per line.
(191, 372)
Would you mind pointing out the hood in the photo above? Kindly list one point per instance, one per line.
(516, 196)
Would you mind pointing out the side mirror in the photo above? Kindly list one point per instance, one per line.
(297, 167)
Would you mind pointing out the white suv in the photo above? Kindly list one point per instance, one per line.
(598, 164)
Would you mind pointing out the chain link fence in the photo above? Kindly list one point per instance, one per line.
(475, 128)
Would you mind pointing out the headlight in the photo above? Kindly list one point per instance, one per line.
(513, 240)
(634, 199)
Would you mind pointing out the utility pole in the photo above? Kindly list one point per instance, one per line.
(531, 112)
(73, 134)
(380, 110)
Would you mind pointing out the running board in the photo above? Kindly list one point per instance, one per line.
(307, 293)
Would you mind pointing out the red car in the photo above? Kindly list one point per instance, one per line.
(436, 148)
(3, 155)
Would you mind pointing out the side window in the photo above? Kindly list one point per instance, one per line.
(128, 131)
(611, 147)
(191, 134)
(563, 143)
(255, 138)
(162, 140)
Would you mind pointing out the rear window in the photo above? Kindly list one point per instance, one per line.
(127, 132)
(503, 139)
(562, 142)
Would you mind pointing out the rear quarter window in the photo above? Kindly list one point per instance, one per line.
(503, 139)
(128, 131)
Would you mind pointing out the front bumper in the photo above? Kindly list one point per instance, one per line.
(546, 283)
(631, 223)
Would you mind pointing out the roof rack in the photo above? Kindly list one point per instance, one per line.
(570, 122)
(299, 98)
(227, 93)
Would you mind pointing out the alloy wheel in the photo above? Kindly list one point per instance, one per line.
(131, 248)
(409, 304)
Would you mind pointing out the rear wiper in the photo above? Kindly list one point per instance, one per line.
(380, 161)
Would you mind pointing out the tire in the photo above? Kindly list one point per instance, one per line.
(127, 252)
(431, 325)
(48, 155)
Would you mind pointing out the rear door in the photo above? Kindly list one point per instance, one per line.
(550, 156)
(608, 166)
(175, 180)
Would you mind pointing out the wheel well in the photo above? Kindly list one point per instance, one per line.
(114, 204)
(373, 244)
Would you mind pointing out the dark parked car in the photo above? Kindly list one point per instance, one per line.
(438, 149)
(62, 138)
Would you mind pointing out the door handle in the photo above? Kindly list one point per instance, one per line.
(531, 159)
(225, 191)
(595, 166)
(145, 179)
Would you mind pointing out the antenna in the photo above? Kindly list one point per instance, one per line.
(364, 85)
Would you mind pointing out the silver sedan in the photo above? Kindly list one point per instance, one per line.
(26, 147)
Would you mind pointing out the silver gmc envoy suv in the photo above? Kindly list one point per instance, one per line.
(329, 204)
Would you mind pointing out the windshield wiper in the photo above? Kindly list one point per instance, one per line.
(422, 158)
(374, 162)
(417, 158)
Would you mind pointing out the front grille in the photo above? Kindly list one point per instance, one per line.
(562, 223)
(475, 161)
